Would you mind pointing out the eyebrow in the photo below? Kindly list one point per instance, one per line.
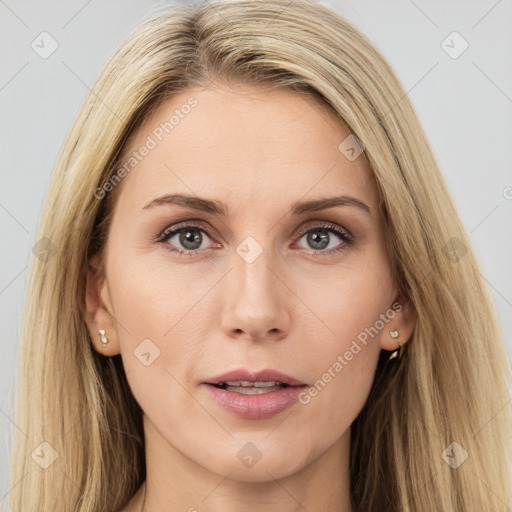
(218, 208)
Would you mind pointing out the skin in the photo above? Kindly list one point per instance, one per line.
(258, 151)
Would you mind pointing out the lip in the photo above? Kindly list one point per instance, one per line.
(255, 407)
(267, 374)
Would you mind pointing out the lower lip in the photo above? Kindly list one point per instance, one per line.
(256, 407)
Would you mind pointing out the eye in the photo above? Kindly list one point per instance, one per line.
(320, 237)
(190, 236)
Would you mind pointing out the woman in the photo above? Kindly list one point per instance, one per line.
(257, 292)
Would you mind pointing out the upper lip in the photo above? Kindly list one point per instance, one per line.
(265, 375)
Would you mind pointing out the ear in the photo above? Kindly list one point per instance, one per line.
(401, 323)
(98, 309)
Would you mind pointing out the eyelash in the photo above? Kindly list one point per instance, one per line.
(347, 239)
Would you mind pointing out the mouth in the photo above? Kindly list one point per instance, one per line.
(251, 388)
(254, 398)
(260, 382)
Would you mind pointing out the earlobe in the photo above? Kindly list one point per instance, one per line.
(98, 311)
(400, 328)
(398, 352)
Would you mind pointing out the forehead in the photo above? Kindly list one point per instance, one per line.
(251, 143)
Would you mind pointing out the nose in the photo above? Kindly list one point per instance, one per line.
(257, 302)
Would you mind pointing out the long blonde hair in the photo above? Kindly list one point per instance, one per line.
(449, 386)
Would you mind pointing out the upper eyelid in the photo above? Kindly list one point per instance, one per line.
(174, 228)
(325, 224)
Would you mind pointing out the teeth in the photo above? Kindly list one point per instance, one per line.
(247, 384)
(253, 390)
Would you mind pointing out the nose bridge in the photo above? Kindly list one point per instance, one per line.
(251, 263)
(256, 302)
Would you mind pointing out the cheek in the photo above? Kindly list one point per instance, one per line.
(159, 345)
(349, 304)
(150, 298)
(152, 305)
(354, 310)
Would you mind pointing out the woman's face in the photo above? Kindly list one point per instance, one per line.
(266, 284)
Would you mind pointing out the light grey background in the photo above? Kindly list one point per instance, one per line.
(465, 105)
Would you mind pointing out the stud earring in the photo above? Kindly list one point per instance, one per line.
(398, 352)
(103, 337)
